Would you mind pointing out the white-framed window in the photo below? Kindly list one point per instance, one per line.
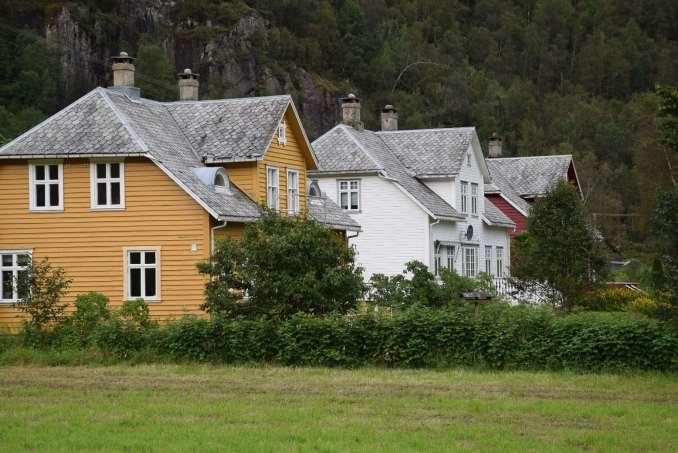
(464, 197)
(46, 181)
(470, 262)
(107, 185)
(500, 261)
(474, 198)
(273, 188)
(450, 257)
(282, 134)
(13, 263)
(349, 194)
(142, 273)
(293, 191)
(488, 259)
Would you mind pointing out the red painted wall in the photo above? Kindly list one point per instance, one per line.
(510, 212)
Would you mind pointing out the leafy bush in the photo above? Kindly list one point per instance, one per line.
(41, 289)
(286, 265)
(126, 331)
(91, 309)
(421, 287)
(609, 299)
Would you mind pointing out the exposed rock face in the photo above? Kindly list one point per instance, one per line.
(227, 59)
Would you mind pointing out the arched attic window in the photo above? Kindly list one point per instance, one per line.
(314, 189)
(214, 177)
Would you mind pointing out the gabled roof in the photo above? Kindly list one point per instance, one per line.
(107, 122)
(345, 149)
(530, 176)
(325, 211)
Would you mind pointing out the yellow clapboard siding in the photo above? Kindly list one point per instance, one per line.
(89, 244)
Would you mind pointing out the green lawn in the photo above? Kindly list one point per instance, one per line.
(203, 408)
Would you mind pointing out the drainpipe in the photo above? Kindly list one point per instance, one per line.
(214, 231)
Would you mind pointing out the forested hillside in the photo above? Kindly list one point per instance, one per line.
(549, 76)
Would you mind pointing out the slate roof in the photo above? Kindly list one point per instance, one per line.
(325, 211)
(344, 148)
(530, 176)
(107, 122)
(230, 129)
(495, 217)
(430, 151)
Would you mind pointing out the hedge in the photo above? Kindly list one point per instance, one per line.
(499, 337)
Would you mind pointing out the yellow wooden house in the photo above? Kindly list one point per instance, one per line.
(128, 194)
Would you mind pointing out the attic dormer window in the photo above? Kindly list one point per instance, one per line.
(282, 137)
(221, 183)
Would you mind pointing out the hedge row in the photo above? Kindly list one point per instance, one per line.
(499, 337)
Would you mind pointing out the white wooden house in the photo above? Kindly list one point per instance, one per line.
(417, 194)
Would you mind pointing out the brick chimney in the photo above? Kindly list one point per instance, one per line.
(389, 118)
(123, 70)
(188, 85)
(350, 111)
(494, 146)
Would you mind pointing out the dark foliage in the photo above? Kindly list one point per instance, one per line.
(286, 265)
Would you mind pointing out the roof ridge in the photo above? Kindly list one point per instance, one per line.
(126, 123)
(216, 101)
(528, 157)
(439, 129)
(49, 119)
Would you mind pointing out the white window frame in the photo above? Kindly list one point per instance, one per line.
(14, 268)
(127, 266)
(470, 258)
(450, 257)
(488, 259)
(293, 192)
(282, 133)
(474, 198)
(349, 190)
(500, 260)
(94, 180)
(273, 183)
(33, 181)
(464, 197)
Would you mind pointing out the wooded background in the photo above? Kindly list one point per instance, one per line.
(549, 76)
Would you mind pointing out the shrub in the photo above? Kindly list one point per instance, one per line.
(422, 288)
(41, 290)
(91, 309)
(126, 331)
(609, 299)
(287, 265)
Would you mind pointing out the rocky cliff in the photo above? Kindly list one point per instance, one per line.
(232, 60)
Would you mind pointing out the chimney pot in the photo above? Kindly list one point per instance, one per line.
(350, 111)
(494, 146)
(188, 85)
(389, 118)
(123, 70)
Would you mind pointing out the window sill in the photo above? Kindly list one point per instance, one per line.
(39, 210)
(150, 301)
(104, 208)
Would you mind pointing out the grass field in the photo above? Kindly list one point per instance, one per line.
(204, 408)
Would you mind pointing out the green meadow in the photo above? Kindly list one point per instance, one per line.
(210, 408)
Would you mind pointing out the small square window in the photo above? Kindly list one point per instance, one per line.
(40, 172)
(107, 186)
(135, 257)
(349, 195)
(46, 187)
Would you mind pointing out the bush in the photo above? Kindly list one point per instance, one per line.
(41, 289)
(126, 331)
(609, 299)
(286, 265)
(91, 309)
(421, 287)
